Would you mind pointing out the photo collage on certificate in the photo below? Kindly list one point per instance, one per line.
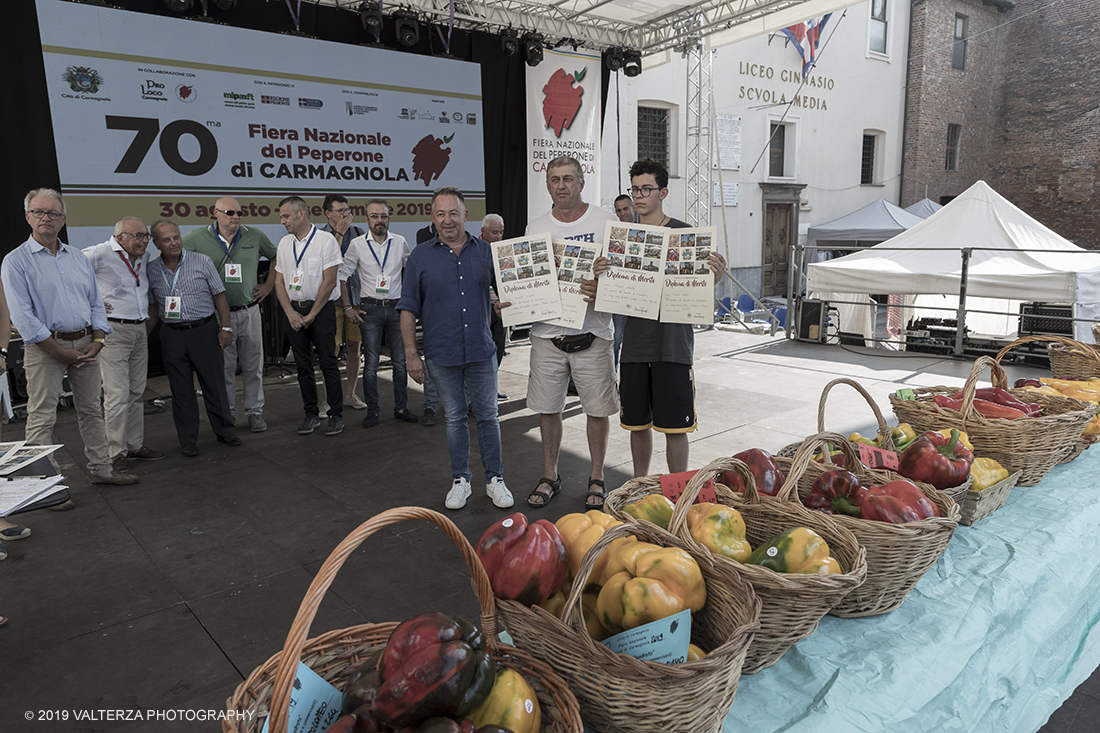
(527, 278)
(636, 254)
(687, 295)
(574, 261)
(688, 251)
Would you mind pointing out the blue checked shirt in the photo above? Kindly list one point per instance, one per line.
(198, 284)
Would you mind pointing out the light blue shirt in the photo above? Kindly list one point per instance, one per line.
(122, 284)
(47, 293)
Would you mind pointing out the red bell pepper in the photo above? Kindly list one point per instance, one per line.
(983, 407)
(525, 563)
(897, 502)
(769, 477)
(1001, 397)
(934, 459)
(836, 491)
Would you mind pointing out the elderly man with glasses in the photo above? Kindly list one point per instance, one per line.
(236, 250)
(121, 266)
(56, 307)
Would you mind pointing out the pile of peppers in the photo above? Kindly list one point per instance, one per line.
(896, 502)
(938, 460)
(992, 402)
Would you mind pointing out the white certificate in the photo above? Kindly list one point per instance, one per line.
(574, 261)
(687, 295)
(632, 287)
(526, 278)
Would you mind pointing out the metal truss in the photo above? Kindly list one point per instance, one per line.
(698, 134)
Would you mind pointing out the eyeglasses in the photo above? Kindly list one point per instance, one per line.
(231, 212)
(378, 217)
(644, 191)
(139, 236)
(340, 212)
(40, 214)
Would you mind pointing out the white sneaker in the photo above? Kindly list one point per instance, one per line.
(354, 402)
(322, 410)
(499, 493)
(459, 493)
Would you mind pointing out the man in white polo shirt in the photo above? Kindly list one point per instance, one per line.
(121, 266)
(306, 268)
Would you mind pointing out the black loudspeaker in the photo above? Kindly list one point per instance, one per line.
(811, 321)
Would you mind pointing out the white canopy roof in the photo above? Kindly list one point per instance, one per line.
(916, 262)
(924, 208)
(875, 222)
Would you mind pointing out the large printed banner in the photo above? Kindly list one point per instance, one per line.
(563, 118)
(158, 117)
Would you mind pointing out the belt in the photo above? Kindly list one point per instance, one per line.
(302, 305)
(235, 308)
(190, 324)
(73, 335)
(126, 320)
(384, 303)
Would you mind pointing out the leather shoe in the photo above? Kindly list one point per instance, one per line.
(115, 478)
(190, 450)
(406, 415)
(231, 440)
(370, 420)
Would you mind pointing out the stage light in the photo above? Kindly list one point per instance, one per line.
(406, 27)
(632, 63)
(179, 6)
(532, 48)
(371, 18)
(509, 42)
(613, 59)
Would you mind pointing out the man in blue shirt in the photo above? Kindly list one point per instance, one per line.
(446, 285)
(188, 293)
(56, 307)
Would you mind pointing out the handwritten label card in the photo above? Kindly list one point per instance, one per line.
(314, 703)
(665, 641)
(673, 484)
(632, 287)
(687, 295)
(875, 457)
(574, 263)
(527, 278)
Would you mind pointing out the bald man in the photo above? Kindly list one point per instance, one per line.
(236, 251)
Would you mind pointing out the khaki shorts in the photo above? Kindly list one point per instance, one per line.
(345, 326)
(593, 371)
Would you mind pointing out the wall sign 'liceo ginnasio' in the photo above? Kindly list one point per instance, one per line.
(146, 127)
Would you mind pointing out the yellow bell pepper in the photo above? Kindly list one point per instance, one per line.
(857, 438)
(511, 704)
(646, 583)
(1085, 395)
(555, 604)
(1093, 428)
(720, 528)
(580, 532)
(798, 550)
(986, 472)
(1045, 389)
(1060, 384)
(963, 438)
(695, 653)
(655, 508)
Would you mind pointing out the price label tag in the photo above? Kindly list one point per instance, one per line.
(665, 640)
(314, 703)
(673, 484)
(875, 457)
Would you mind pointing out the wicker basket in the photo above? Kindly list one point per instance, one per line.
(980, 504)
(1069, 359)
(792, 604)
(897, 554)
(620, 694)
(335, 655)
(1032, 445)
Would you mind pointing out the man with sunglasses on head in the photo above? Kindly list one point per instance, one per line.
(236, 250)
(121, 266)
(56, 308)
(339, 225)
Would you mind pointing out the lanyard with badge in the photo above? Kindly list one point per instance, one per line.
(233, 272)
(296, 279)
(135, 273)
(173, 306)
(382, 284)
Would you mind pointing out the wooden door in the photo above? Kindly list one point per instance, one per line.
(777, 241)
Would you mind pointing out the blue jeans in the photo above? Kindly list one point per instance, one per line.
(620, 324)
(431, 394)
(376, 319)
(480, 378)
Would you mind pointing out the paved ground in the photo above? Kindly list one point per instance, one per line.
(167, 594)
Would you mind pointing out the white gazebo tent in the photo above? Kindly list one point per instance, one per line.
(924, 208)
(1014, 258)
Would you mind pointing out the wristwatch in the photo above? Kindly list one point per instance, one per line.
(3, 351)
(227, 328)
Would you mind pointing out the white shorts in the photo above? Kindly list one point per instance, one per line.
(593, 371)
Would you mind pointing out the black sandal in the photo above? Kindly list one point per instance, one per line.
(546, 496)
(601, 494)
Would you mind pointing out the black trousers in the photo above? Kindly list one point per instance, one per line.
(196, 351)
(318, 336)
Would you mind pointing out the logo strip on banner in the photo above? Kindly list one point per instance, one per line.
(563, 118)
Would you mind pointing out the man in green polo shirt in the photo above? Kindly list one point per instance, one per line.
(236, 252)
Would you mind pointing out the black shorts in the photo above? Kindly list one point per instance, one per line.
(658, 395)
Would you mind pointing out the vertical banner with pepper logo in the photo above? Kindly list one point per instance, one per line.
(563, 118)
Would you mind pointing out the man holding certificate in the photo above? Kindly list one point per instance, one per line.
(559, 352)
(656, 383)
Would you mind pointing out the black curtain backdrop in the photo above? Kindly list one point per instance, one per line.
(31, 158)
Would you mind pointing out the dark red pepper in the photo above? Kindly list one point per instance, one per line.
(897, 502)
(984, 408)
(524, 562)
(933, 459)
(1001, 397)
(836, 491)
(769, 477)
